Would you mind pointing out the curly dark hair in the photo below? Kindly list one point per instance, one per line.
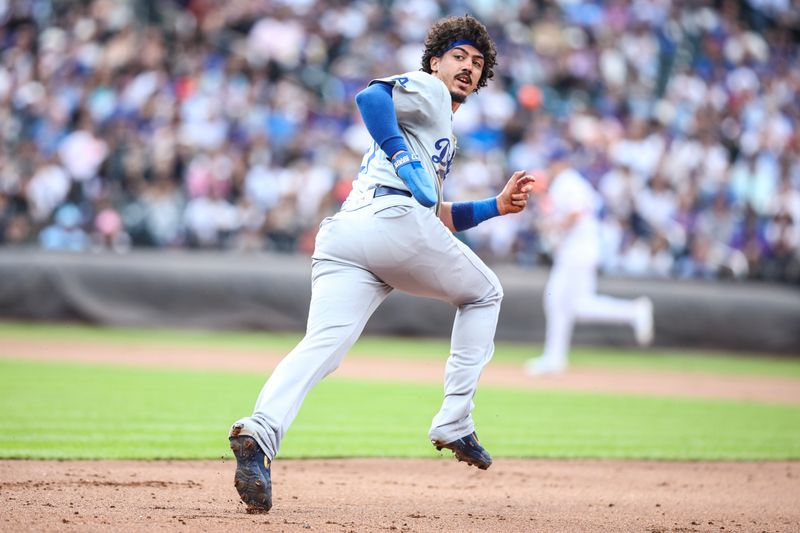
(451, 29)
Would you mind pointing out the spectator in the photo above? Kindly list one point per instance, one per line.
(669, 104)
(783, 237)
(66, 232)
(109, 233)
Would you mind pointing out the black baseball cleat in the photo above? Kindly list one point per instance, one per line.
(252, 479)
(469, 450)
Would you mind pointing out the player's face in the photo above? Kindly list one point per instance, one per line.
(460, 69)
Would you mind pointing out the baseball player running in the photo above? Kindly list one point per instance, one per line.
(395, 232)
(570, 295)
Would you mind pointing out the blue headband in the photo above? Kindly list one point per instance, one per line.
(460, 42)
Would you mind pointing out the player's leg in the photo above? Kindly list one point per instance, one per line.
(471, 348)
(429, 261)
(471, 343)
(343, 298)
(559, 314)
(591, 307)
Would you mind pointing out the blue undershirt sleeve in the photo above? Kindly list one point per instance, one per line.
(377, 109)
(467, 215)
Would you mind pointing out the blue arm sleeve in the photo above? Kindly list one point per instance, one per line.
(377, 109)
(469, 214)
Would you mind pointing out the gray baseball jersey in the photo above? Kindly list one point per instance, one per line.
(374, 245)
(422, 104)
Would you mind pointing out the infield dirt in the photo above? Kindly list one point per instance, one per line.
(410, 495)
(404, 495)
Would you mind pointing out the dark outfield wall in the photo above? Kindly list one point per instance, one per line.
(199, 290)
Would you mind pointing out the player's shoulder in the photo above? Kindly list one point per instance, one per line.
(421, 77)
(414, 80)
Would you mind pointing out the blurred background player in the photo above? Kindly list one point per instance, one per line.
(570, 206)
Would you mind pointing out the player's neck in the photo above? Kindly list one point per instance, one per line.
(455, 102)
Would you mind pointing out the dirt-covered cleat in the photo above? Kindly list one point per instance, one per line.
(252, 478)
(468, 449)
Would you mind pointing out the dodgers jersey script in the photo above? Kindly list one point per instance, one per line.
(422, 103)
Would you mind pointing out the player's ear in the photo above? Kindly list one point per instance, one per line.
(435, 63)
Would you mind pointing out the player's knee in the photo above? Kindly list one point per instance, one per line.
(483, 295)
(495, 294)
(499, 291)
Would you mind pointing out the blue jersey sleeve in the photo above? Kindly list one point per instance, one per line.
(377, 110)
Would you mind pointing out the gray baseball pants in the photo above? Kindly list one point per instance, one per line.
(361, 255)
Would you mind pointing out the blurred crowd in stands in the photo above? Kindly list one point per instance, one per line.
(231, 125)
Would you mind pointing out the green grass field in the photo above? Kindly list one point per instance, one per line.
(653, 359)
(82, 411)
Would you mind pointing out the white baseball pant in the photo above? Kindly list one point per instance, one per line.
(361, 255)
(570, 297)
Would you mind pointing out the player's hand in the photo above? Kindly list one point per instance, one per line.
(514, 196)
(411, 171)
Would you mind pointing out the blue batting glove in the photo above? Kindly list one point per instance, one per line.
(410, 170)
